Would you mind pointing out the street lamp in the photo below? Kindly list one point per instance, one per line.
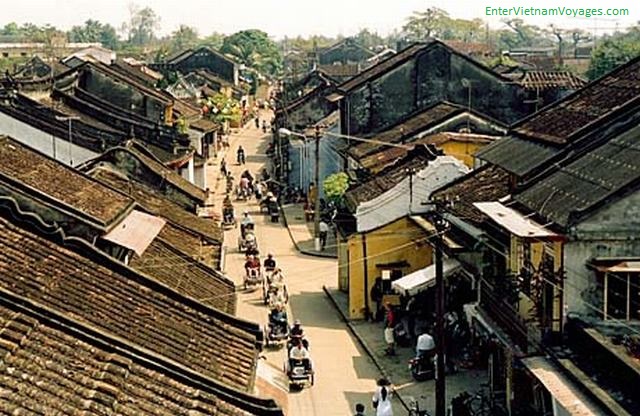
(69, 119)
(286, 132)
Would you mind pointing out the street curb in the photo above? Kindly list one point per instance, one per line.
(295, 243)
(364, 345)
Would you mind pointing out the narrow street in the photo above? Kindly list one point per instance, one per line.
(345, 375)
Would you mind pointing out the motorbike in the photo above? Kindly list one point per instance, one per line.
(252, 278)
(300, 374)
(422, 368)
(277, 330)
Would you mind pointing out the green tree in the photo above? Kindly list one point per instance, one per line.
(254, 49)
(221, 108)
(183, 38)
(614, 51)
(142, 25)
(10, 29)
(334, 186)
(94, 31)
(368, 39)
(214, 40)
(430, 23)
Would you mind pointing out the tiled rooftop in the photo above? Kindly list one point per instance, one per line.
(488, 183)
(159, 205)
(64, 185)
(99, 292)
(410, 126)
(51, 369)
(559, 122)
(186, 276)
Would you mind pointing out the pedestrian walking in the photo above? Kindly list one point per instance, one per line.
(389, 323)
(241, 157)
(359, 410)
(323, 228)
(225, 142)
(382, 398)
(257, 122)
(223, 168)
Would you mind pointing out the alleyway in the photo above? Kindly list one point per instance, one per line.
(345, 375)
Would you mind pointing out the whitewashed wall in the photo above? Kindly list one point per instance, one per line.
(45, 142)
(399, 201)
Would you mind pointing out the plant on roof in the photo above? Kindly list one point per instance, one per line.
(335, 186)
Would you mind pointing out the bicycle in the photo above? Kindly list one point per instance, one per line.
(479, 404)
(414, 407)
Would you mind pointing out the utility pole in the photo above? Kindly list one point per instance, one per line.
(316, 209)
(441, 226)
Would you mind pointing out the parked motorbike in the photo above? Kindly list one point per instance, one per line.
(422, 368)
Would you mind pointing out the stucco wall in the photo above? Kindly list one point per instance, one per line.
(302, 160)
(613, 231)
(44, 142)
(392, 243)
(432, 76)
(408, 196)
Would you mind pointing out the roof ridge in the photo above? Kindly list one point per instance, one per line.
(161, 363)
(86, 250)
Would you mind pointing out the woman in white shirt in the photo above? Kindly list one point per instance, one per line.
(382, 398)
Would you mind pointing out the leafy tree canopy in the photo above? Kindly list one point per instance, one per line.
(254, 49)
(334, 186)
(95, 31)
(615, 50)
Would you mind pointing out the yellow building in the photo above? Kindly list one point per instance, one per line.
(395, 249)
(462, 146)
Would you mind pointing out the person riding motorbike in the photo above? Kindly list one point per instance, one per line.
(264, 126)
(252, 264)
(269, 263)
(247, 221)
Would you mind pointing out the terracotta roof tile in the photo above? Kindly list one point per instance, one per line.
(159, 205)
(377, 161)
(410, 126)
(73, 370)
(561, 121)
(99, 292)
(388, 177)
(488, 183)
(543, 80)
(69, 187)
(186, 275)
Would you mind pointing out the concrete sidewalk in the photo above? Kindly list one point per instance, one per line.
(301, 232)
(395, 368)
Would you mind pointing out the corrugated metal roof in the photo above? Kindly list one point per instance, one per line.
(583, 183)
(516, 155)
(516, 223)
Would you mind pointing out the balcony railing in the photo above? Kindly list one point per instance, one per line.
(506, 316)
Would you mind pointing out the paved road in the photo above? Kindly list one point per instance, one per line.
(344, 373)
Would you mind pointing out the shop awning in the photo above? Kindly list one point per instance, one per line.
(563, 391)
(136, 231)
(516, 223)
(422, 279)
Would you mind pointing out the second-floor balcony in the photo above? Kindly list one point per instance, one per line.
(524, 333)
